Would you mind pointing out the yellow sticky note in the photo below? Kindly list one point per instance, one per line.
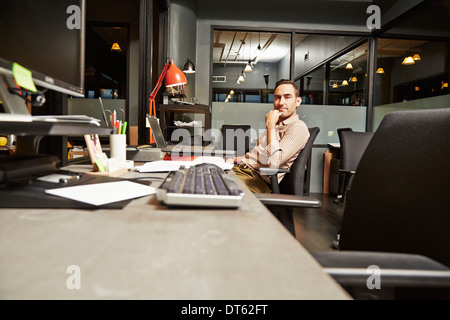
(23, 77)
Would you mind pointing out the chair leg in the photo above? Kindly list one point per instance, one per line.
(335, 243)
(339, 196)
(347, 184)
(285, 216)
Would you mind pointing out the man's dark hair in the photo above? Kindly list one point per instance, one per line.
(287, 81)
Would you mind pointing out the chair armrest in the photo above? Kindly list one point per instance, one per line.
(271, 171)
(288, 200)
(391, 277)
(350, 268)
(273, 174)
(347, 171)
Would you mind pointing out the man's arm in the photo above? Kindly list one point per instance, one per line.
(272, 118)
(234, 160)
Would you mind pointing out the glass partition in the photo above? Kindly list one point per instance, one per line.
(348, 78)
(311, 87)
(327, 118)
(248, 64)
(411, 75)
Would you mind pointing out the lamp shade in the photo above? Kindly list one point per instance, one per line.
(380, 70)
(115, 47)
(408, 61)
(174, 76)
(416, 57)
(349, 66)
(248, 67)
(189, 66)
(345, 83)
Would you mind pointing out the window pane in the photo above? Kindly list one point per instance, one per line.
(421, 84)
(311, 87)
(348, 78)
(267, 53)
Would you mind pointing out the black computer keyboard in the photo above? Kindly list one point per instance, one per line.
(204, 185)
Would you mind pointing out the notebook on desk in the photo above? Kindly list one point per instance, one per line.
(180, 148)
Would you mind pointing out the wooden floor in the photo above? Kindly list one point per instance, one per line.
(317, 228)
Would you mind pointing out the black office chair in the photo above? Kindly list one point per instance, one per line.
(397, 211)
(297, 179)
(353, 145)
(237, 138)
(341, 181)
(293, 191)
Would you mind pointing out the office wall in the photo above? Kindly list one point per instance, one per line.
(123, 12)
(392, 9)
(183, 38)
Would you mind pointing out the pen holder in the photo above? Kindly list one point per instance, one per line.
(118, 145)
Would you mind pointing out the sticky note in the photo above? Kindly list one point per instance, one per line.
(23, 77)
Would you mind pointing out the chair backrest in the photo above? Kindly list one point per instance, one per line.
(236, 137)
(297, 180)
(339, 132)
(399, 200)
(353, 145)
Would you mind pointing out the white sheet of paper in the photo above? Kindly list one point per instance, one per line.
(165, 166)
(103, 193)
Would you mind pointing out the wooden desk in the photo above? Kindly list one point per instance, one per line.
(148, 251)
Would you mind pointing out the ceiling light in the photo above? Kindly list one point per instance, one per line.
(248, 67)
(115, 47)
(416, 57)
(416, 89)
(349, 66)
(354, 79)
(444, 85)
(189, 66)
(380, 70)
(335, 85)
(231, 92)
(241, 78)
(408, 61)
(345, 83)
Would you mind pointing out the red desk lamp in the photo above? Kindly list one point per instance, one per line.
(173, 76)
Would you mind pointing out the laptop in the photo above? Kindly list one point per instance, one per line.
(180, 148)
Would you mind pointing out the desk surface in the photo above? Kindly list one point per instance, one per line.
(148, 251)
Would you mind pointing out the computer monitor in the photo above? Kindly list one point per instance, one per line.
(47, 38)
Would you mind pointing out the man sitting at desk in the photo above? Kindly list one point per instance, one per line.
(279, 145)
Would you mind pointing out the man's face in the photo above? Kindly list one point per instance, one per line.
(285, 102)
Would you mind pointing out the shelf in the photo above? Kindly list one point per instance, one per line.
(182, 108)
(40, 128)
(186, 127)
